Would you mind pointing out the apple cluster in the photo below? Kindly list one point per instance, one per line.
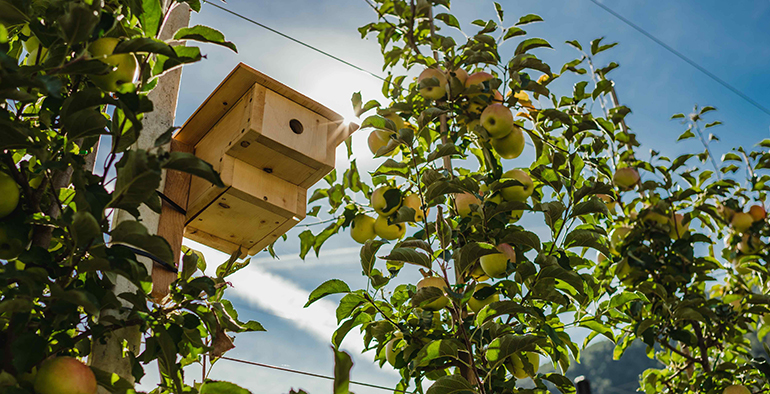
(386, 202)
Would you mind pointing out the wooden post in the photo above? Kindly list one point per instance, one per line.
(109, 356)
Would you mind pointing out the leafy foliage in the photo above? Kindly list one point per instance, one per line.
(657, 278)
(76, 234)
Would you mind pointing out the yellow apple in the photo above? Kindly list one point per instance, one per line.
(378, 139)
(494, 265)
(432, 92)
(125, 64)
(413, 201)
(386, 200)
(463, 202)
(516, 366)
(497, 119)
(362, 228)
(476, 305)
(736, 389)
(397, 120)
(518, 192)
(437, 282)
(386, 230)
(64, 375)
(626, 178)
(510, 146)
(757, 212)
(741, 221)
(678, 227)
(479, 274)
(391, 352)
(10, 192)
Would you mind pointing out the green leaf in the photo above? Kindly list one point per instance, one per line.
(184, 55)
(588, 239)
(513, 32)
(452, 384)
(77, 22)
(135, 234)
(686, 135)
(575, 44)
(342, 366)
(449, 19)
(527, 19)
(507, 345)
(332, 286)
(592, 205)
(204, 34)
(86, 228)
(563, 383)
(191, 164)
(531, 43)
(598, 328)
(523, 237)
(216, 387)
(622, 299)
(137, 180)
(111, 381)
(151, 16)
(499, 308)
(442, 150)
(348, 304)
(409, 255)
(368, 255)
(85, 123)
(437, 349)
(469, 253)
(145, 45)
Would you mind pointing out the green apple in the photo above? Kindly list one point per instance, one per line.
(386, 200)
(413, 201)
(476, 305)
(125, 64)
(741, 221)
(618, 235)
(497, 119)
(378, 139)
(757, 212)
(393, 348)
(494, 265)
(516, 365)
(435, 281)
(678, 227)
(510, 146)
(626, 178)
(64, 375)
(362, 228)
(736, 389)
(518, 192)
(10, 192)
(397, 120)
(434, 92)
(656, 217)
(386, 230)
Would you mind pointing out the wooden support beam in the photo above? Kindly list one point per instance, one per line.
(172, 222)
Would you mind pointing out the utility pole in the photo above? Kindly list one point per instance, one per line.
(109, 356)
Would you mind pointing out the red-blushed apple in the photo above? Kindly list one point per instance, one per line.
(432, 91)
(64, 375)
(362, 228)
(126, 66)
(481, 81)
(412, 200)
(455, 82)
(757, 212)
(437, 282)
(476, 305)
(518, 192)
(463, 203)
(9, 191)
(385, 229)
(741, 221)
(497, 119)
(386, 200)
(626, 178)
(510, 146)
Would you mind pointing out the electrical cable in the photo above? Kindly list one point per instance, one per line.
(315, 375)
(683, 57)
(286, 36)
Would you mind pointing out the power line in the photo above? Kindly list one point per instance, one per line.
(288, 37)
(315, 375)
(683, 57)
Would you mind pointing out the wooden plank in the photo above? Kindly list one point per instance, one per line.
(230, 90)
(172, 223)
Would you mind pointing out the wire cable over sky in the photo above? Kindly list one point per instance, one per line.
(683, 57)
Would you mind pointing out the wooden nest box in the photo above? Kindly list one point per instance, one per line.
(270, 143)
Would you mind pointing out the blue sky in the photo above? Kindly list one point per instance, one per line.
(732, 39)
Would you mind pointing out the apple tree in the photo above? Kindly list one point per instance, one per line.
(70, 73)
(621, 256)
